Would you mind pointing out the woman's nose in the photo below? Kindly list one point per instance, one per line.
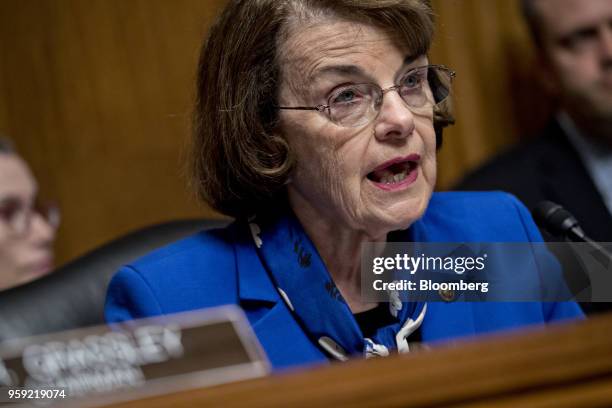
(395, 121)
(41, 232)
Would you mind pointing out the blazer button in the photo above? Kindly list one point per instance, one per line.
(447, 295)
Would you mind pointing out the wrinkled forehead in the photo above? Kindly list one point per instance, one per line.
(309, 49)
(562, 17)
(15, 178)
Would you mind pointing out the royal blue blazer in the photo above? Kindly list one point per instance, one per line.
(219, 267)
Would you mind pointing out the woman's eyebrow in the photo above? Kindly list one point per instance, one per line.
(411, 58)
(338, 69)
(353, 70)
(8, 200)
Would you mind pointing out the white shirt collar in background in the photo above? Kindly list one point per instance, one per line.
(596, 158)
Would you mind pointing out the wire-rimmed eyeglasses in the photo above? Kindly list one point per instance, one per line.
(421, 89)
(18, 217)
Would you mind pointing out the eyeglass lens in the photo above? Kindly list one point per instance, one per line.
(421, 89)
(18, 217)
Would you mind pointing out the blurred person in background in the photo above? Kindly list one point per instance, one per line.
(571, 162)
(27, 229)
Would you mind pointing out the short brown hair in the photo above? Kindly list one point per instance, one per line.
(239, 164)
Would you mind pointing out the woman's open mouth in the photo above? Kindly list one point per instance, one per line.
(396, 173)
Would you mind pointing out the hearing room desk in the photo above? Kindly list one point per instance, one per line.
(567, 365)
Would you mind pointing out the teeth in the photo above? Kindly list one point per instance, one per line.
(391, 178)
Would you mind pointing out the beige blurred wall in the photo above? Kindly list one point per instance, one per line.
(97, 94)
(498, 97)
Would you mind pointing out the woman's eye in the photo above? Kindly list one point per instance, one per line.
(9, 210)
(412, 81)
(347, 95)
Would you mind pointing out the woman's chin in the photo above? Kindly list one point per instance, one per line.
(393, 220)
(399, 210)
(37, 269)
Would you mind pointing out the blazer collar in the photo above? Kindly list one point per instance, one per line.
(254, 283)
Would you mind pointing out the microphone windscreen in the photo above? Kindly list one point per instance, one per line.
(553, 218)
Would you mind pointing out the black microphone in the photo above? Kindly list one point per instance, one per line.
(560, 222)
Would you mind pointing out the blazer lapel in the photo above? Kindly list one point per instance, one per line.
(254, 284)
(272, 321)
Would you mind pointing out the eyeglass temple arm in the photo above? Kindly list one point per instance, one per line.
(319, 108)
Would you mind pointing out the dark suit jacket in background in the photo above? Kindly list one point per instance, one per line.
(549, 168)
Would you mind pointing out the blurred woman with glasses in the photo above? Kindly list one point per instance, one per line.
(27, 228)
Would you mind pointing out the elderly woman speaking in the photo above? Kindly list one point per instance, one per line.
(316, 127)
